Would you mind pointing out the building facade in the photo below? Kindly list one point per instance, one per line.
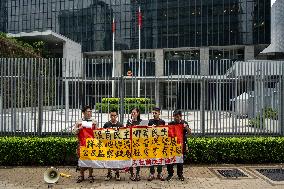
(178, 37)
(172, 25)
(3, 16)
(276, 49)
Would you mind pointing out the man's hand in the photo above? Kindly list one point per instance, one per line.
(186, 127)
(186, 149)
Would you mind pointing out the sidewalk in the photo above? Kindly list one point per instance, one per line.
(196, 177)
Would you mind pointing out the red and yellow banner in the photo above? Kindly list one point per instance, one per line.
(131, 146)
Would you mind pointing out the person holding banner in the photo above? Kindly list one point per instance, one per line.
(113, 124)
(156, 122)
(177, 114)
(133, 121)
(86, 124)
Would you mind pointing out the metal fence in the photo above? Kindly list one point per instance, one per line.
(219, 98)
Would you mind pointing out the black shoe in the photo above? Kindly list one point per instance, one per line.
(151, 177)
(160, 177)
(80, 179)
(91, 179)
(181, 178)
(169, 177)
(117, 177)
(108, 177)
(137, 177)
(132, 177)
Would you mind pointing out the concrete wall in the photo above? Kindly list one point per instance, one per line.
(118, 66)
(249, 53)
(159, 62)
(204, 60)
(72, 55)
(159, 71)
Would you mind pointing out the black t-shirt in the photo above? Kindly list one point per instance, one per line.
(131, 122)
(111, 125)
(156, 122)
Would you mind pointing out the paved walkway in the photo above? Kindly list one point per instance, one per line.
(196, 177)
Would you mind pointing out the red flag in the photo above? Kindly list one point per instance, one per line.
(113, 26)
(176, 131)
(86, 133)
(139, 18)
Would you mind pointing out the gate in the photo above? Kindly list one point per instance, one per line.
(44, 96)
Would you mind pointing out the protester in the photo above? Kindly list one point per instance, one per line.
(82, 123)
(114, 124)
(156, 121)
(133, 121)
(186, 131)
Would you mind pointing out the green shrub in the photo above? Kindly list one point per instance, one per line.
(62, 151)
(127, 100)
(236, 150)
(38, 151)
(257, 121)
(270, 113)
(104, 107)
(110, 100)
(144, 104)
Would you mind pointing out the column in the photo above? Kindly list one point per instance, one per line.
(159, 71)
(249, 53)
(204, 60)
(117, 72)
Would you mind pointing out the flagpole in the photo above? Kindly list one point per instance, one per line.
(113, 63)
(139, 49)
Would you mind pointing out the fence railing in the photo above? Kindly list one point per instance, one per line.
(44, 96)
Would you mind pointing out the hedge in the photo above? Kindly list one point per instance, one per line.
(144, 104)
(62, 151)
(104, 107)
(38, 151)
(127, 100)
(236, 150)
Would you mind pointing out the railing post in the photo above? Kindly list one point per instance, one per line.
(40, 105)
(281, 98)
(202, 106)
(121, 95)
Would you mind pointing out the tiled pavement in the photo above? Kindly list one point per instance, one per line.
(197, 176)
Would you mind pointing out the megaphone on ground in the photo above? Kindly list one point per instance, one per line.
(51, 175)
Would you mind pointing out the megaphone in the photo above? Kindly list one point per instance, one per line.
(51, 175)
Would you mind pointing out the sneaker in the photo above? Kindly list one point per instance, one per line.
(169, 177)
(80, 179)
(91, 179)
(117, 177)
(132, 177)
(181, 178)
(151, 177)
(108, 177)
(160, 177)
(137, 177)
